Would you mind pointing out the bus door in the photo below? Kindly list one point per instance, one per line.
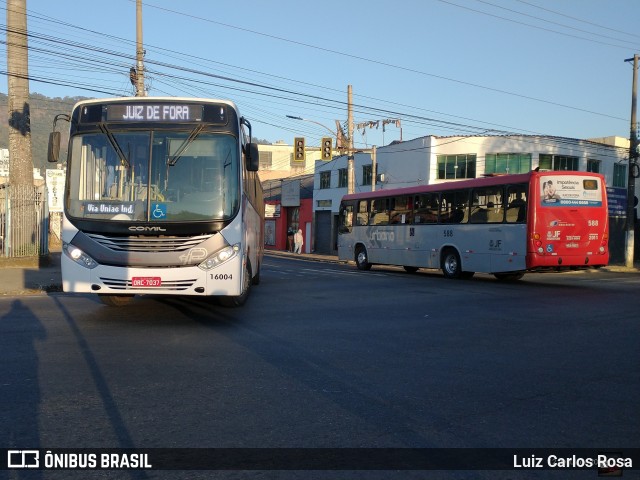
(514, 229)
(487, 216)
(423, 234)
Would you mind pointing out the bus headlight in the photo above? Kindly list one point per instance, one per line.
(78, 256)
(220, 257)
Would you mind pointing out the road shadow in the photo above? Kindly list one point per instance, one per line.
(20, 395)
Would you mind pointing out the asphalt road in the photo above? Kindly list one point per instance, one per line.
(326, 356)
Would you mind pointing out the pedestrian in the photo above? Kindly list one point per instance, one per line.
(298, 241)
(289, 239)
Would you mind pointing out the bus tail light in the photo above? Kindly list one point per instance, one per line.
(603, 244)
(537, 243)
(78, 256)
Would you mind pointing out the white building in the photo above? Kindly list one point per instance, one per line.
(432, 159)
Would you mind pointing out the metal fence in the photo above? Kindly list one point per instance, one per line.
(24, 221)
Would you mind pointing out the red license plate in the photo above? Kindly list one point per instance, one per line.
(146, 281)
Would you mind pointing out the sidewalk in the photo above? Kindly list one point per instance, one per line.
(31, 276)
(318, 257)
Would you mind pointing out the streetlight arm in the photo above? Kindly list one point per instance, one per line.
(333, 134)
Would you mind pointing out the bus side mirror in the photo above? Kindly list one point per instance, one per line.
(53, 150)
(252, 157)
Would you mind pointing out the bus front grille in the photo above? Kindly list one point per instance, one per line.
(148, 244)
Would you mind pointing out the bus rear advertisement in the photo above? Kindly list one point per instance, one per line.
(503, 225)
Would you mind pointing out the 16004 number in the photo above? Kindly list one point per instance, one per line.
(222, 276)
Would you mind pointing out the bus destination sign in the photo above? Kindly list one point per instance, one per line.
(154, 112)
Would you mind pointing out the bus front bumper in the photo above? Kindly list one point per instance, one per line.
(223, 280)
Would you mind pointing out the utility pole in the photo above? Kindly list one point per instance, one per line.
(139, 52)
(374, 168)
(351, 181)
(633, 155)
(20, 156)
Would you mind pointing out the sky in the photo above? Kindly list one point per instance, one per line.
(441, 67)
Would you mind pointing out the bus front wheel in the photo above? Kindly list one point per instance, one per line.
(362, 260)
(241, 299)
(115, 300)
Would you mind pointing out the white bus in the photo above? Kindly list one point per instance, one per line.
(162, 197)
(504, 225)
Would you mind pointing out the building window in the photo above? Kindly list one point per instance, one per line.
(366, 175)
(343, 178)
(619, 175)
(507, 163)
(266, 160)
(325, 180)
(593, 165)
(456, 166)
(557, 162)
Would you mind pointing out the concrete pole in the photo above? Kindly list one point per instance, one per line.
(140, 92)
(351, 181)
(374, 168)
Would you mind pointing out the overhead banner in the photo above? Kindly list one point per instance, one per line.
(55, 189)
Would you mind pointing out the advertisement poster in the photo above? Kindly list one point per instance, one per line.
(570, 191)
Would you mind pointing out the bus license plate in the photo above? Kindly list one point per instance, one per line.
(146, 281)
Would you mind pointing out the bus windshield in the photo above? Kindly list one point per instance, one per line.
(153, 175)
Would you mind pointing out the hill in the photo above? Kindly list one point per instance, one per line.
(43, 110)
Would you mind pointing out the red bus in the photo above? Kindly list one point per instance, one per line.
(503, 225)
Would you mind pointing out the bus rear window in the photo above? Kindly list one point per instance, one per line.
(590, 184)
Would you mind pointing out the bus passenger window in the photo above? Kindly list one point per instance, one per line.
(379, 212)
(401, 211)
(517, 209)
(487, 205)
(362, 218)
(346, 218)
(426, 208)
(454, 207)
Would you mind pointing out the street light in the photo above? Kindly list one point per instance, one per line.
(333, 134)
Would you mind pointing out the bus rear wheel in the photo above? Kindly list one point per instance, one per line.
(362, 260)
(451, 266)
(115, 300)
(241, 299)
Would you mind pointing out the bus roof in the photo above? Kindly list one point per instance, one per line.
(461, 184)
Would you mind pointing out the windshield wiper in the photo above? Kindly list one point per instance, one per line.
(114, 143)
(171, 161)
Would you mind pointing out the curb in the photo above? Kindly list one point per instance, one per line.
(304, 256)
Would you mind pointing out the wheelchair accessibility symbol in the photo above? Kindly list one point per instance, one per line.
(158, 211)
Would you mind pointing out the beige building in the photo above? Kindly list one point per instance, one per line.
(276, 161)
